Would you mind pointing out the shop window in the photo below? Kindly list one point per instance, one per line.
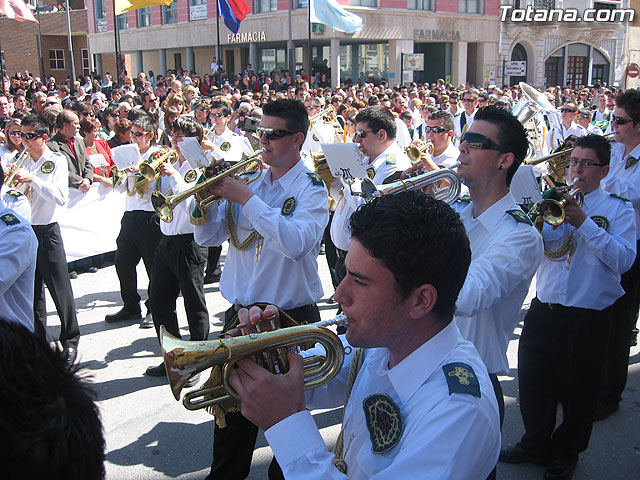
(198, 9)
(144, 17)
(170, 13)
(263, 6)
(100, 14)
(547, 4)
(123, 21)
(470, 6)
(56, 59)
(364, 3)
(420, 4)
(605, 5)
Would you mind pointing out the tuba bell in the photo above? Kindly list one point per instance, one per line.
(184, 359)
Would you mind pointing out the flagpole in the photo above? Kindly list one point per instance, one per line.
(72, 67)
(290, 60)
(2, 68)
(309, 42)
(219, 60)
(115, 35)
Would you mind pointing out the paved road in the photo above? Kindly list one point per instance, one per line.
(152, 436)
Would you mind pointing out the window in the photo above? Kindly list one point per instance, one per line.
(470, 6)
(546, 4)
(100, 14)
(56, 59)
(263, 6)
(364, 3)
(170, 13)
(86, 67)
(303, 3)
(123, 21)
(420, 4)
(605, 6)
(144, 17)
(197, 10)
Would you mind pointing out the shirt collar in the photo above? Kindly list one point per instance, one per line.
(288, 178)
(492, 215)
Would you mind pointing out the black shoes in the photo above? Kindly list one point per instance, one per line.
(517, 454)
(213, 277)
(147, 321)
(70, 352)
(122, 315)
(157, 371)
(92, 269)
(73, 275)
(560, 470)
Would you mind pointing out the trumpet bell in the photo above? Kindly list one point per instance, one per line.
(415, 152)
(150, 169)
(162, 206)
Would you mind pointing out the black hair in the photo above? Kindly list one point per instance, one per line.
(136, 113)
(50, 422)
(630, 101)
(291, 111)
(378, 118)
(225, 110)
(188, 126)
(446, 117)
(420, 240)
(146, 123)
(40, 125)
(512, 137)
(64, 117)
(597, 143)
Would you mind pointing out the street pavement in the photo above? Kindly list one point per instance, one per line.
(150, 435)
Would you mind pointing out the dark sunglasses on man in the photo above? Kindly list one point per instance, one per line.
(620, 120)
(477, 140)
(273, 133)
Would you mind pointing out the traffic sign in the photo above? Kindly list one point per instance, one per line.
(633, 70)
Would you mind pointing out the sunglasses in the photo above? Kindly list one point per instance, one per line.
(585, 163)
(273, 133)
(620, 120)
(477, 140)
(582, 117)
(435, 130)
(88, 114)
(467, 100)
(218, 115)
(30, 135)
(113, 115)
(363, 133)
(15, 133)
(139, 134)
(567, 110)
(200, 111)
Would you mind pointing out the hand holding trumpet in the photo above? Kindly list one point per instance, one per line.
(573, 214)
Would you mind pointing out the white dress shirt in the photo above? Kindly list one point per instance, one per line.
(448, 158)
(18, 252)
(505, 255)
(320, 133)
(457, 129)
(134, 201)
(560, 133)
(172, 185)
(16, 201)
(392, 160)
(50, 187)
(446, 435)
(286, 272)
(624, 181)
(601, 256)
(231, 144)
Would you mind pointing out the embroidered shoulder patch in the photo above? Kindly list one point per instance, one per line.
(615, 195)
(371, 172)
(391, 159)
(14, 193)
(520, 216)
(315, 179)
(631, 161)
(461, 379)
(288, 206)
(190, 176)
(384, 422)
(225, 146)
(9, 219)
(602, 222)
(315, 137)
(47, 167)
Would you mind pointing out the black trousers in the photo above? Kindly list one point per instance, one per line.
(624, 318)
(331, 253)
(213, 259)
(233, 445)
(138, 239)
(560, 359)
(51, 269)
(178, 266)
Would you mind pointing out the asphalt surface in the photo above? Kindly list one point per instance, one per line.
(150, 435)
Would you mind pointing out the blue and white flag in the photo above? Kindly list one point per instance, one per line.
(331, 13)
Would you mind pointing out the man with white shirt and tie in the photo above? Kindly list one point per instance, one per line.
(439, 131)
(462, 122)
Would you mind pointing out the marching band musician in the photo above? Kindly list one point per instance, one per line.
(623, 179)
(139, 231)
(439, 131)
(321, 132)
(274, 226)
(506, 249)
(562, 346)
(18, 253)
(421, 403)
(567, 127)
(178, 264)
(464, 120)
(47, 181)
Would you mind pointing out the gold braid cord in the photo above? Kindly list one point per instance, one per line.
(233, 234)
(356, 364)
(565, 251)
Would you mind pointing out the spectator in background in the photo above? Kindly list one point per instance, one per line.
(13, 142)
(89, 130)
(122, 133)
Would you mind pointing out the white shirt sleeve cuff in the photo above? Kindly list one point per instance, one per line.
(254, 208)
(294, 437)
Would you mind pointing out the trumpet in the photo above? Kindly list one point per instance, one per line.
(164, 205)
(415, 152)
(184, 359)
(325, 114)
(21, 160)
(552, 211)
(447, 194)
(150, 169)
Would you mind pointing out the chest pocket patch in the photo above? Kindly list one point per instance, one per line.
(384, 422)
(47, 167)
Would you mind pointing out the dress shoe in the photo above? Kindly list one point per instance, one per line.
(92, 269)
(633, 341)
(147, 321)
(192, 381)
(70, 353)
(517, 454)
(212, 277)
(604, 410)
(73, 275)
(560, 470)
(157, 371)
(122, 315)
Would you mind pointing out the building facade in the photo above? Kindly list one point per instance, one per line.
(459, 39)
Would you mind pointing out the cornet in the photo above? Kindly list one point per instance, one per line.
(150, 169)
(21, 160)
(415, 152)
(164, 205)
(184, 359)
(552, 211)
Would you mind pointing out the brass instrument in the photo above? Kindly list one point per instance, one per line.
(552, 211)
(324, 114)
(415, 152)
(528, 106)
(150, 169)
(447, 194)
(184, 359)
(164, 205)
(21, 160)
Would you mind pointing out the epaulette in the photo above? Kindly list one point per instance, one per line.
(461, 379)
(9, 219)
(464, 199)
(519, 216)
(615, 195)
(14, 193)
(315, 179)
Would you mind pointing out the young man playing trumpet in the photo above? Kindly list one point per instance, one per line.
(562, 346)
(421, 403)
(178, 264)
